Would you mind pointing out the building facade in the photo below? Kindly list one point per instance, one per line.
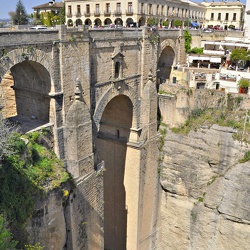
(224, 15)
(131, 12)
(247, 20)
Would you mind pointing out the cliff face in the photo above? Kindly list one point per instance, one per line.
(205, 191)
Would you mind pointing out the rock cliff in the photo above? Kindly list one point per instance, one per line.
(205, 191)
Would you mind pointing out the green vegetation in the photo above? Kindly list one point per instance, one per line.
(27, 170)
(244, 83)
(246, 157)
(240, 55)
(165, 23)
(37, 246)
(6, 241)
(177, 23)
(226, 118)
(19, 17)
(152, 21)
(196, 50)
(188, 40)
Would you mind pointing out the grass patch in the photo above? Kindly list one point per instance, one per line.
(225, 118)
(246, 157)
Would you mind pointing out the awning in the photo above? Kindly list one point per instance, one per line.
(215, 60)
(194, 24)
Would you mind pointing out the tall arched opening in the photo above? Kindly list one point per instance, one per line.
(111, 146)
(24, 95)
(165, 64)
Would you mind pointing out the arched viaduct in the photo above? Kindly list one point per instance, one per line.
(97, 89)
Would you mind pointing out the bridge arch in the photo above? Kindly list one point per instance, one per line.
(166, 60)
(111, 148)
(109, 95)
(25, 85)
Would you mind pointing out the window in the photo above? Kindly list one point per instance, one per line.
(219, 16)
(226, 18)
(142, 7)
(107, 7)
(78, 9)
(234, 17)
(117, 69)
(162, 10)
(69, 10)
(174, 79)
(97, 8)
(150, 9)
(157, 10)
(212, 16)
(130, 9)
(118, 7)
(87, 9)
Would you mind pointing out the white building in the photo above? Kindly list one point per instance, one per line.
(247, 20)
(224, 14)
(135, 12)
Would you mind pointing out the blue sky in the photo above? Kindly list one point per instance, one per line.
(10, 5)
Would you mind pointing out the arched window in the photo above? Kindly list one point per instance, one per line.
(117, 65)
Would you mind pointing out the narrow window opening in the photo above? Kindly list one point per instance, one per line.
(118, 133)
(117, 69)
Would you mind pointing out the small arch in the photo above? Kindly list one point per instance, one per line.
(141, 22)
(88, 22)
(70, 22)
(97, 22)
(129, 22)
(107, 21)
(78, 22)
(118, 21)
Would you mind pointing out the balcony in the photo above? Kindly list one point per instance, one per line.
(97, 13)
(118, 13)
(107, 13)
(129, 12)
(78, 14)
(69, 14)
(87, 14)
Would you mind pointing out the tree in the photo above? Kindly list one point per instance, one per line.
(188, 40)
(20, 17)
(177, 23)
(240, 55)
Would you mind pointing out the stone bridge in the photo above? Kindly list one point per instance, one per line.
(97, 89)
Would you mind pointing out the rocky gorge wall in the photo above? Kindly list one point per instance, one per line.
(205, 191)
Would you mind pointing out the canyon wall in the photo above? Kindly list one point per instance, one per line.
(205, 191)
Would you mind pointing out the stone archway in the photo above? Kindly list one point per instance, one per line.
(111, 148)
(141, 22)
(118, 21)
(166, 60)
(78, 22)
(88, 22)
(97, 22)
(107, 21)
(25, 87)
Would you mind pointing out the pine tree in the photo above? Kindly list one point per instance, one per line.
(20, 17)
